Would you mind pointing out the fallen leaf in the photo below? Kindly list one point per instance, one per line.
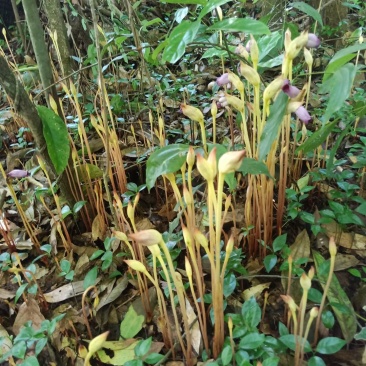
(28, 311)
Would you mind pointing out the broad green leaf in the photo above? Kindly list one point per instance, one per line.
(214, 52)
(251, 313)
(56, 136)
(90, 278)
(229, 284)
(211, 5)
(330, 345)
(269, 262)
(192, 2)
(168, 159)
(316, 361)
(254, 167)
(337, 64)
(143, 347)
(131, 324)
(271, 361)
(226, 355)
(244, 25)
(361, 336)
(180, 14)
(270, 45)
(347, 51)
(308, 10)
(339, 87)
(272, 62)
(178, 40)
(291, 341)
(317, 138)
(252, 341)
(279, 242)
(272, 127)
(337, 296)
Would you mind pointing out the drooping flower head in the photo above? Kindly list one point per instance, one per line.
(289, 89)
(313, 41)
(300, 111)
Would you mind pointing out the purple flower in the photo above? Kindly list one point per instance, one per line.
(289, 89)
(18, 173)
(223, 79)
(313, 41)
(303, 115)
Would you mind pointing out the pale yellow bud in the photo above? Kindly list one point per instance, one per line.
(273, 88)
(147, 237)
(192, 113)
(231, 161)
(205, 168)
(332, 247)
(311, 273)
(250, 74)
(305, 282)
(191, 157)
(214, 109)
(290, 302)
(201, 239)
(212, 161)
(136, 265)
(97, 343)
(314, 312)
(187, 237)
(242, 51)
(155, 250)
(188, 267)
(297, 45)
(187, 197)
(235, 81)
(308, 57)
(120, 235)
(130, 211)
(230, 245)
(254, 51)
(234, 102)
(287, 39)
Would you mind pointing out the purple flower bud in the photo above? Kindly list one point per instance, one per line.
(223, 79)
(289, 89)
(18, 173)
(313, 41)
(303, 115)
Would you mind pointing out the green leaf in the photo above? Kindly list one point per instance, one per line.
(308, 10)
(337, 296)
(65, 265)
(290, 341)
(339, 87)
(251, 313)
(180, 14)
(96, 254)
(78, 206)
(279, 242)
(20, 291)
(361, 336)
(245, 25)
(131, 324)
(271, 361)
(214, 52)
(317, 138)
(254, 167)
(168, 159)
(229, 284)
(143, 347)
(330, 345)
(153, 358)
(226, 355)
(328, 319)
(30, 361)
(252, 341)
(337, 64)
(193, 2)
(56, 136)
(347, 51)
(211, 5)
(269, 262)
(272, 127)
(316, 361)
(90, 278)
(180, 37)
